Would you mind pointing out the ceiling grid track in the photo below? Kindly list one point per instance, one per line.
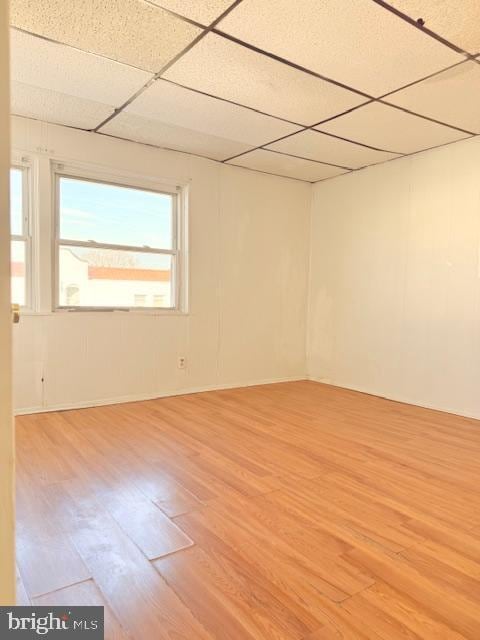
(169, 64)
(316, 128)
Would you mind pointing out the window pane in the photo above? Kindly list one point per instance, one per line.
(18, 270)
(111, 214)
(114, 278)
(16, 202)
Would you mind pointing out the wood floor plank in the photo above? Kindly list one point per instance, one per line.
(305, 565)
(85, 594)
(328, 633)
(42, 458)
(255, 519)
(397, 616)
(48, 562)
(465, 543)
(143, 603)
(262, 564)
(46, 557)
(418, 514)
(162, 489)
(146, 525)
(460, 574)
(294, 511)
(343, 626)
(119, 447)
(441, 602)
(229, 601)
(321, 513)
(153, 532)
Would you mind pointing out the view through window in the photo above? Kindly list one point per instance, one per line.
(117, 246)
(19, 237)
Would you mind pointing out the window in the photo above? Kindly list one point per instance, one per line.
(20, 237)
(158, 300)
(116, 246)
(72, 295)
(140, 300)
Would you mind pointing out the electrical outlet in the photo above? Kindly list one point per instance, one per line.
(181, 362)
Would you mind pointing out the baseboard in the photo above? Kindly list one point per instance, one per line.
(151, 396)
(395, 398)
(216, 387)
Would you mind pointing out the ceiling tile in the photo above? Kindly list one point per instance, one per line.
(184, 108)
(287, 166)
(203, 11)
(323, 148)
(59, 108)
(452, 97)
(133, 127)
(129, 31)
(356, 42)
(456, 21)
(35, 61)
(389, 128)
(222, 68)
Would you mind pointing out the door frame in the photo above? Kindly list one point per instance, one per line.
(7, 458)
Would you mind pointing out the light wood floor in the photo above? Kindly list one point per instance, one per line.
(294, 511)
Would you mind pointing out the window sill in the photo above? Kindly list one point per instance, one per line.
(135, 312)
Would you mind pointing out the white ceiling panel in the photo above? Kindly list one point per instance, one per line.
(356, 42)
(59, 108)
(321, 147)
(287, 166)
(452, 97)
(184, 108)
(203, 11)
(388, 128)
(133, 127)
(222, 68)
(222, 99)
(129, 31)
(455, 20)
(53, 66)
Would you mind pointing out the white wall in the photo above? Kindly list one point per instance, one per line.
(245, 228)
(394, 304)
(394, 297)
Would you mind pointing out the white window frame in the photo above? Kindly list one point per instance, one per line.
(179, 236)
(27, 230)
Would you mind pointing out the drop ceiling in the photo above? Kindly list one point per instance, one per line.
(308, 90)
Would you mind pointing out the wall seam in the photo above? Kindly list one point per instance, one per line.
(309, 279)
